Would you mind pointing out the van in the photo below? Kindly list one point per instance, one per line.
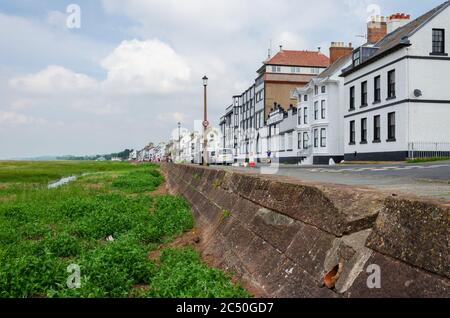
(223, 157)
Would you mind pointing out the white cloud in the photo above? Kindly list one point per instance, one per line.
(291, 41)
(57, 19)
(15, 119)
(149, 66)
(21, 104)
(134, 67)
(171, 118)
(54, 80)
(34, 43)
(209, 16)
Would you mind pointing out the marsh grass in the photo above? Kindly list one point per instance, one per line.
(43, 231)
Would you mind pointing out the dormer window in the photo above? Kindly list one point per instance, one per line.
(438, 41)
(356, 58)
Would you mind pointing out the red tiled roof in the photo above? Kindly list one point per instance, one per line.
(299, 58)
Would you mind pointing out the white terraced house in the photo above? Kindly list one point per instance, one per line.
(320, 116)
(397, 89)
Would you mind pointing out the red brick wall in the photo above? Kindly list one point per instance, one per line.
(376, 31)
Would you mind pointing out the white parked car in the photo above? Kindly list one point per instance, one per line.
(222, 157)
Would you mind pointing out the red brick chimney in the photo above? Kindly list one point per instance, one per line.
(376, 29)
(338, 50)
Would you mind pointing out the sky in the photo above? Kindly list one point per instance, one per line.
(98, 76)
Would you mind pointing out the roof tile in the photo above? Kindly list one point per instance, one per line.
(299, 58)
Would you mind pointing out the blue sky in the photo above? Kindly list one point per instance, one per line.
(134, 68)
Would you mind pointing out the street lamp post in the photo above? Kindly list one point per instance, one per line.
(179, 141)
(205, 122)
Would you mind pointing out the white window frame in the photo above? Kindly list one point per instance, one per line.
(323, 131)
(290, 141)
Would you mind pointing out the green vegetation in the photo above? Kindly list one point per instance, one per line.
(217, 184)
(105, 223)
(137, 182)
(48, 171)
(424, 160)
(226, 214)
(179, 275)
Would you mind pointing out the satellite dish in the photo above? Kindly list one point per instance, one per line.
(417, 93)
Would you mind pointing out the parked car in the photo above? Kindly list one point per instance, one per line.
(222, 157)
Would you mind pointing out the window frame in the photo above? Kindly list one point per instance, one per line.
(282, 141)
(392, 127)
(356, 58)
(377, 89)
(323, 137)
(323, 109)
(305, 140)
(391, 81)
(352, 132)
(316, 138)
(441, 42)
(316, 110)
(289, 141)
(364, 94)
(363, 130)
(377, 128)
(352, 98)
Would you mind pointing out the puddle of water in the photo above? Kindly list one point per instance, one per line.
(61, 182)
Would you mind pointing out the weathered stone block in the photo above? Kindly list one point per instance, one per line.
(274, 227)
(309, 249)
(399, 280)
(416, 232)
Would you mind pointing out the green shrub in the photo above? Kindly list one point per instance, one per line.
(181, 273)
(112, 270)
(172, 216)
(144, 180)
(62, 245)
(30, 276)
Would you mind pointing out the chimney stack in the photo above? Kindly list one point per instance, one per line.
(396, 21)
(376, 29)
(338, 50)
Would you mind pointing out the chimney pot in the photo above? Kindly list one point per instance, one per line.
(397, 20)
(338, 50)
(376, 30)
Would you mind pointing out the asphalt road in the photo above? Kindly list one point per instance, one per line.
(426, 180)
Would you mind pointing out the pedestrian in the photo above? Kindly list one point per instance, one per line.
(269, 156)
